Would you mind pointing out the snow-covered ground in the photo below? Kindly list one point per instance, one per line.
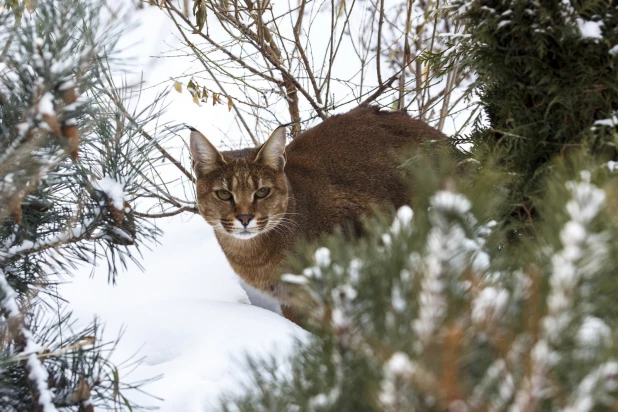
(186, 315)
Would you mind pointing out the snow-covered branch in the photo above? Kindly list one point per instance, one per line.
(36, 373)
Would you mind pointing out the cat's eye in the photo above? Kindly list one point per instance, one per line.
(223, 194)
(262, 192)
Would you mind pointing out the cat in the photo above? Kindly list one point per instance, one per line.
(262, 201)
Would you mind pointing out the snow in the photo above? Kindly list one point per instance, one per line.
(198, 346)
(590, 29)
(322, 257)
(489, 305)
(593, 332)
(402, 220)
(593, 389)
(113, 189)
(400, 364)
(187, 315)
(398, 367)
(611, 121)
(46, 104)
(612, 165)
(37, 373)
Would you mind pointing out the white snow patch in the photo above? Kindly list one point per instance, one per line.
(589, 29)
(322, 257)
(593, 332)
(610, 122)
(46, 104)
(294, 279)
(489, 305)
(195, 336)
(403, 220)
(113, 189)
(399, 364)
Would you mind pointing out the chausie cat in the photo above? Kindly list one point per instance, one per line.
(261, 201)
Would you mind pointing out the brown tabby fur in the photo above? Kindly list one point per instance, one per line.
(330, 176)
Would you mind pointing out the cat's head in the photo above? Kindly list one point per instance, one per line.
(241, 193)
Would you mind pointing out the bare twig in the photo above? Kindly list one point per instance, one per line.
(381, 89)
(242, 120)
(167, 214)
(379, 51)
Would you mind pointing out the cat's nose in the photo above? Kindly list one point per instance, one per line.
(244, 218)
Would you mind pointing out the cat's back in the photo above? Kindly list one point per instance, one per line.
(362, 136)
(348, 165)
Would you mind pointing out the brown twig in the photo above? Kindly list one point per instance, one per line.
(379, 51)
(381, 89)
(301, 50)
(167, 214)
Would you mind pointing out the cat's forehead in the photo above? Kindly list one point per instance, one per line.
(241, 176)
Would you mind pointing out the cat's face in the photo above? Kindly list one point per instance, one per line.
(243, 195)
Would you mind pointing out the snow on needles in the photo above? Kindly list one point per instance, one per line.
(580, 258)
(113, 189)
(590, 29)
(37, 374)
(46, 104)
(449, 252)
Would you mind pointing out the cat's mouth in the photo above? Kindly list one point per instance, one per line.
(244, 234)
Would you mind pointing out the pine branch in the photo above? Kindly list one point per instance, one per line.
(36, 373)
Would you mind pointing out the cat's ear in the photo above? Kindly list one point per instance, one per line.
(272, 152)
(206, 157)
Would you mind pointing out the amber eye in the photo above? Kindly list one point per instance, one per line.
(223, 194)
(263, 192)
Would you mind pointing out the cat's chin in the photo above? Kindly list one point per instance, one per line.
(244, 235)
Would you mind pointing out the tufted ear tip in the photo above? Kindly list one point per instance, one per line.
(206, 157)
(272, 152)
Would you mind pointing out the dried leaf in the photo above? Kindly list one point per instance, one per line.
(31, 5)
(82, 392)
(199, 10)
(72, 135)
(191, 86)
(52, 122)
(14, 207)
(178, 86)
(196, 99)
(216, 99)
(230, 103)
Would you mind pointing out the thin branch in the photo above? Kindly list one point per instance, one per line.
(197, 54)
(379, 51)
(119, 104)
(381, 89)
(271, 57)
(223, 49)
(167, 214)
(301, 50)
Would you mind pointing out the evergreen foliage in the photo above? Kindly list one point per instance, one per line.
(72, 164)
(548, 82)
(446, 307)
